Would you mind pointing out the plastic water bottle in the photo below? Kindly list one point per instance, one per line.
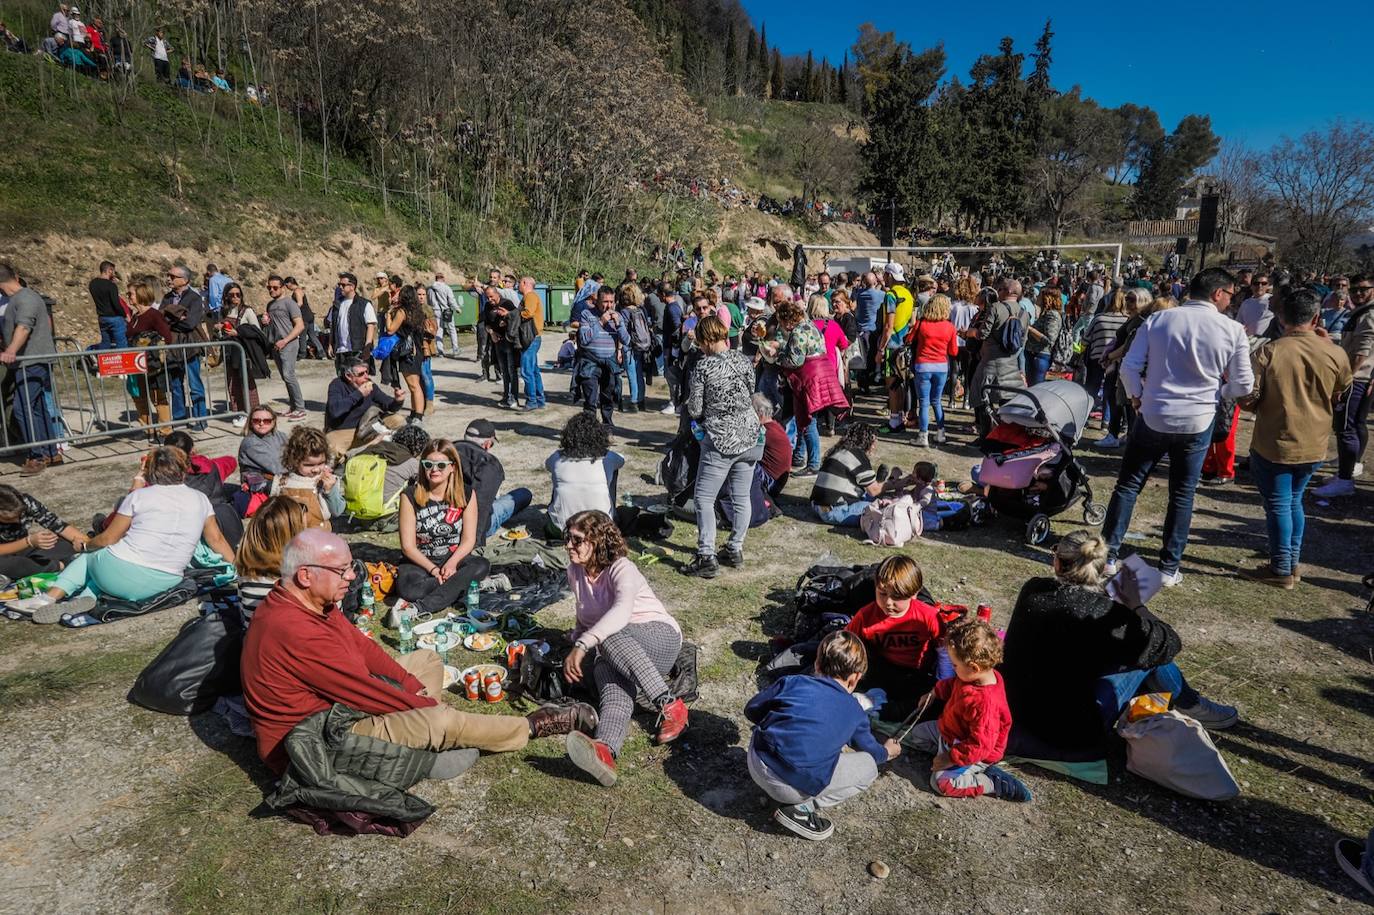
(627, 500)
(368, 600)
(474, 599)
(405, 641)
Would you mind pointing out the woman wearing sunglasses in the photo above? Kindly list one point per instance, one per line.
(261, 448)
(625, 641)
(438, 527)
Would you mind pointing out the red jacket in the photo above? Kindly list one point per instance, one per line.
(296, 663)
(976, 720)
(936, 341)
(901, 640)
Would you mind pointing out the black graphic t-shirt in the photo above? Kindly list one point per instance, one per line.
(438, 526)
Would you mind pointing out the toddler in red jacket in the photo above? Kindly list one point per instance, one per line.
(971, 733)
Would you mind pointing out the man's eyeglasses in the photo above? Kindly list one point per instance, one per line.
(1361, 288)
(436, 465)
(342, 571)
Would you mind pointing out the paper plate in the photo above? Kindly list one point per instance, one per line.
(451, 675)
(515, 533)
(482, 641)
(484, 669)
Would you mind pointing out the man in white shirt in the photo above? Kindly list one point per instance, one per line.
(1254, 312)
(446, 306)
(1181, 361)
(162, 65)
(352, 330)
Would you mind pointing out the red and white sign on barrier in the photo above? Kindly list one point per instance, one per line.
(110, 364)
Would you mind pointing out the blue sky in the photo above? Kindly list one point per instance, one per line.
(1261, 69)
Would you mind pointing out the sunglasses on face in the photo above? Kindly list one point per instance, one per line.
(574, 540)
(263, 420)
(436, 465)
(1361, 288)
(272, 287)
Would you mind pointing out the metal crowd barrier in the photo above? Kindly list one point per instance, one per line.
(79, 396)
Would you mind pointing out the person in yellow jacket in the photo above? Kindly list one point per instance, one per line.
(899, 308)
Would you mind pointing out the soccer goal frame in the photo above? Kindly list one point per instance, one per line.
(889, 250)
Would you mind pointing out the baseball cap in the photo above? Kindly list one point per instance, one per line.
(896, 272)
(481, 428)
(754, 303)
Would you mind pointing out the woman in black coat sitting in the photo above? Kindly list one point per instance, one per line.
(1074, 658)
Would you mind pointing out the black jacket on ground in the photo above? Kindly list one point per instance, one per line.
(1061, 639)
(483, 471)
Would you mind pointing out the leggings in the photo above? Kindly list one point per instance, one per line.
(428, 595)
(102, 572)
(1352, 428)
(634, 660)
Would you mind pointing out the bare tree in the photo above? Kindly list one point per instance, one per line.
(1324, 184)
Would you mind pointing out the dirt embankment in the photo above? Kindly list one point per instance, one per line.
(62, 265)
(751, 240)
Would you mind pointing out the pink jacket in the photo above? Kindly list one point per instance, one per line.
(835, 340)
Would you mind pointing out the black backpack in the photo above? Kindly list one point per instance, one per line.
(828, 592)
(539, 680)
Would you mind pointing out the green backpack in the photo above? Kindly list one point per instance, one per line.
(364, 477)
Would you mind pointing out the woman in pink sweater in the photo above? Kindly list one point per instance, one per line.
(624, 639)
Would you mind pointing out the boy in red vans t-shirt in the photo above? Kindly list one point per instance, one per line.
(901, 633)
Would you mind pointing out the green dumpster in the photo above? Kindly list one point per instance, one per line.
(560, 304)
(467, 317)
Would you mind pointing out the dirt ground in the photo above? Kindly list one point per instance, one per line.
(106, 807)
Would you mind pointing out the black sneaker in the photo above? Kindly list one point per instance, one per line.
(804, 822)
(806, 472)
(732, 558)
(702, 567)
(1007, 786)
(1350, 856)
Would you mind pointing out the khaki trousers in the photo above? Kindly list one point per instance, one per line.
(443, 727)
(342, 441)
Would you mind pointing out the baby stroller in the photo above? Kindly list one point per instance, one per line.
(1029, 470)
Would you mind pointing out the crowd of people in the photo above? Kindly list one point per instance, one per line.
(756, 372)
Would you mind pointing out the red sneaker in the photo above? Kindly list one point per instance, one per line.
(592, 757)
(672, 721)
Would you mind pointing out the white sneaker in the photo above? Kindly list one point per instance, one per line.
(1170, 579)
(28, 605)
(922, 439)
(1109, 569)
(668, 410)
(1359, 469)
(940, 438)
(1109, 441)
(1211, 715)
(1335, 488)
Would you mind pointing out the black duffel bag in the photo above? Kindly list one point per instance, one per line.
(197, 667)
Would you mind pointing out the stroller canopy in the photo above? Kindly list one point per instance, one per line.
(1059, 409)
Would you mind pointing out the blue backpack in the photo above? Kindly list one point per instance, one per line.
(1013, 333)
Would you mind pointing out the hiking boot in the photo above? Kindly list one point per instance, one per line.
(1265, 575)
(803, 821)
(729, 557)
(1211, 715)
(1334, 488)
(592, 757)
(1350, 856)
(1007, 786)
(556, 720)
(672, 721)
(702, 567)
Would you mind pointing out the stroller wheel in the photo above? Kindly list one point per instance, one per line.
(1037, 529)
(1094, 513)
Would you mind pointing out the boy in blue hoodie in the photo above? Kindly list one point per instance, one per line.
(802, 724)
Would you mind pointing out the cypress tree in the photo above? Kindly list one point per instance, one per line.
(778, 76)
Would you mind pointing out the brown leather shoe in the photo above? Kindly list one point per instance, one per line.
(553, 720)
(1265, 575)
(33, 466)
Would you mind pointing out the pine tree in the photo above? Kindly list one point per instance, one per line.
(763, 61)
(778, 81)
(731, 63)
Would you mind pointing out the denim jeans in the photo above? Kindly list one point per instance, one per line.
(1281, 486)
(634, 377)
(1143, 450)
(285, 359)
(534, 379)
(929, 387)
(189, 372)
(844, 514)
(427, 379)
(1115, 690)
(1037, 367)
(810, 455)
(508, 506)
(114, 333)
(736, 473)
(32, 381)
(1101, 399)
